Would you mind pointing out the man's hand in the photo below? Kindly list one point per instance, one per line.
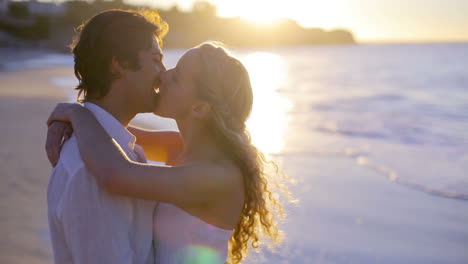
(57, 134)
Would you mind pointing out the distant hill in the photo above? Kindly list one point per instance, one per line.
(187, 29)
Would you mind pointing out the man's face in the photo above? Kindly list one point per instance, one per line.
(142, 83)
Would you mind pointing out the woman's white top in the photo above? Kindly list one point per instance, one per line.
(183, 238)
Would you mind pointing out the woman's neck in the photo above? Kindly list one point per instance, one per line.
(199, 146)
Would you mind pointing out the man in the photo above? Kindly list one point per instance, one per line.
(118, 60)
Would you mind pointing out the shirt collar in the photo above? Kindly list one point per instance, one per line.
(112, 126)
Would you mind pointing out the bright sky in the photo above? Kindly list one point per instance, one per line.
(369, 20)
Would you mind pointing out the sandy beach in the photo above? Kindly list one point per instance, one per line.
(26, 99)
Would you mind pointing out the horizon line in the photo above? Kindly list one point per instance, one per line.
(409, 41)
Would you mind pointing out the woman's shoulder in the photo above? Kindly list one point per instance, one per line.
(227, 171)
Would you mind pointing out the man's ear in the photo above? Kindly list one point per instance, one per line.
(201, 109)
(116, 68)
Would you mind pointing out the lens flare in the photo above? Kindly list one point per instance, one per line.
(198, 254)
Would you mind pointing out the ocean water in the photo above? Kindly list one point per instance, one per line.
(398, 109)
(397, 112)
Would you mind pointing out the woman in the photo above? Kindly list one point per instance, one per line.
(215, 189)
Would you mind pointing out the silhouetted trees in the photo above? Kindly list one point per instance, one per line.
(18, 9)
(187, 29)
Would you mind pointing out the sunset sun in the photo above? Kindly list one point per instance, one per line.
(261, 12)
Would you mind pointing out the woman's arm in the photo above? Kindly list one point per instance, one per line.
(181, 185)
(158, 145)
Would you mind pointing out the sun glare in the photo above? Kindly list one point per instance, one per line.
(268, 121)
(326, 14)
(258, 12)
(260, 18)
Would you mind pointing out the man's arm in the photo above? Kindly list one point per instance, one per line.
(158, 145)
(95, 224)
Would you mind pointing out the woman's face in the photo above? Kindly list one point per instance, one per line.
(177, 92)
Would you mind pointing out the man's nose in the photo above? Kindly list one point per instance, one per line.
(161, 68)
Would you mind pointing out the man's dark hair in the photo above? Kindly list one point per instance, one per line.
(118, 34)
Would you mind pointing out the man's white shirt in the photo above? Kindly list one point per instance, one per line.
(88, 225)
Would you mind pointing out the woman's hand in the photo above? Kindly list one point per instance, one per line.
(57, 134)
(64, 112)
(59, 129)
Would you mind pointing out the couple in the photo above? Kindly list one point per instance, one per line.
(212, 197)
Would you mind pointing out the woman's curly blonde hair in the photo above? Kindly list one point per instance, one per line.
(224, 82)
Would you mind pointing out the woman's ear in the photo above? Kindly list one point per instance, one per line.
(115, 68)
(201, 109)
